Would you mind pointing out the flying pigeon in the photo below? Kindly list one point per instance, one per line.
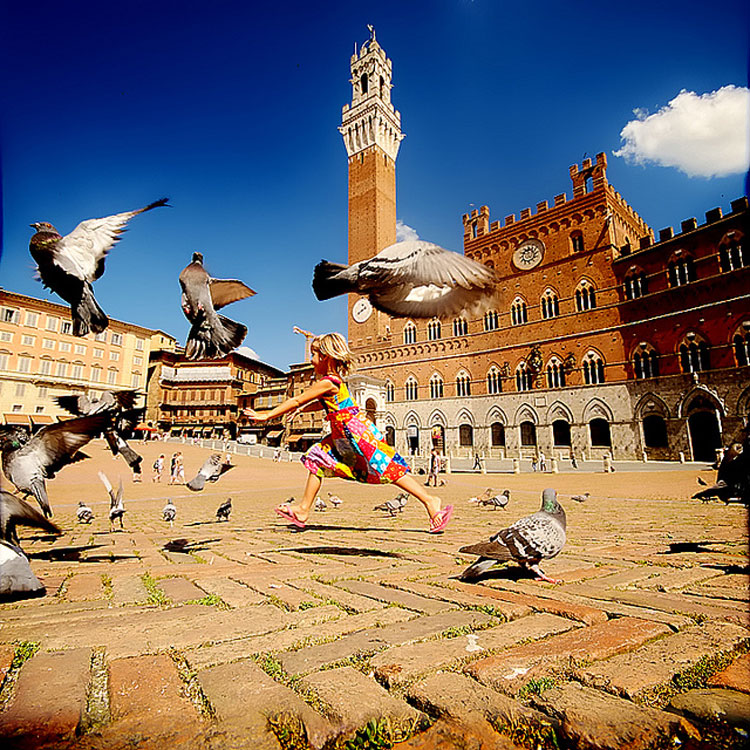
(477, 499)
(395, 505)
(169, 512)
(211, 335)
(211, 470)
(16, 512)
(414, 279)
(84, 514)
(496, 501)
(17, 580)
(28, 461)
(116, 506)
(69, 265)
(223, 511)
(120, 405)
(320, 504)
(334, 500)
(528, 541)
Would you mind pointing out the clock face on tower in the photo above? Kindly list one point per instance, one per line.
(528, 254)
(362, 310)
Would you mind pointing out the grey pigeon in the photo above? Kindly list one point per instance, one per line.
(84, 514)
(69, 265)
(581, 498)
(211, 335)
(16, 512)
(211, 470)
(116, 505)
(528, 541)
(414, 279)
(733, 475)
(396, 505)
(169, 512)
(28, 461)
(496, 501)
(320, 504)
(334, 500)
(223, 511)
(17, 580)
(120, 406)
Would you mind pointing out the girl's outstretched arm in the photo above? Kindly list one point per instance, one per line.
(317, 390)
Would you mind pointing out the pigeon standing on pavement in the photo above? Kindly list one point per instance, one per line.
(733, 475)
(496, 501)
(528, 541)
(84, 514)
(16, 512)
(120, 405)
(169, 512)
(69, 265)
(223, 511)
(211, 470)
(116, 505)
(320, 504)
(395, 505)
(414, 279)
(580, 498)
(334, 500)
(211, 335)
(28, 461)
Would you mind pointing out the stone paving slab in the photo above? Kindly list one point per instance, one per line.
(128, 590)
(677, 579)
(49, 699)
(84, 586)
(6, 659)
(394, 596)
(447, 735)
(179, 590)
(273, 587)
(591, 719)
(736, 676)
(715, 706)
(233, 593)
(351, 601)
(401, 664)
(654, 663)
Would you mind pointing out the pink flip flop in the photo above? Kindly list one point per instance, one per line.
(440, 521)
(289, 516)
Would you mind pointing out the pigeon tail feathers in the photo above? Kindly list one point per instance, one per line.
(40, 493)
(86, 313)
(327, 283)
(477, 569)
(197, 484)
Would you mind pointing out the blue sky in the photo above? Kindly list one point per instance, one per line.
(232, 111)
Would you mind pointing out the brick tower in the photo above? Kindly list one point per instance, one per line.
(371, 129)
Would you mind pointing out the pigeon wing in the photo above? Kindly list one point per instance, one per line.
(57, 443)
(78, 405)
(225, 291)
(492, 550)
(534, 538)
(125, 399)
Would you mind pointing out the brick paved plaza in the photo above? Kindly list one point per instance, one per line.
(356, 633)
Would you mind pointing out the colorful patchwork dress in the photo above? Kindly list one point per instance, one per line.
(356, 448)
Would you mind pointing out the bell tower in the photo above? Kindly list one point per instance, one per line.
(371, 129)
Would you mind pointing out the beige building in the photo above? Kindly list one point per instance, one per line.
(40, 358)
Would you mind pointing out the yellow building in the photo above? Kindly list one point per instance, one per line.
(40, 358)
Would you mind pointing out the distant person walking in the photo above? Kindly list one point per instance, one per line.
(434, 467)
(158, 469)
(542, 462)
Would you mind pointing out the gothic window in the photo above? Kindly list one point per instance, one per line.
(528, 433)
(436, 386)
(410, 333)
(593, 369)
(646, 362)
(524, 378)
(600, 434)
(497, 434)
(561, 433)
(363, 84)
(463, 384)
(411, 389)
(695, 355)
(518, 312)
(636, 283)
(555, 374)
(494, 381)
(732, 254)
(491, 320)
(465, 435)
(390, 391)
(741, 345)
(680, 270)
(460, 327)
(585, 296)
(433, 330)
(576, 242)
(655, 431)
(550, 304)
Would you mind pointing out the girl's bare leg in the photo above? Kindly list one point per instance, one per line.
(302, 509)
(431, 503)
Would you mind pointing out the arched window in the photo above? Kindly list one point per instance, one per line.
(491, 320)
(524, 378)
(646, 361)
(585, 296)
(655, 431)
(695, 354)
(741, 345)
(465, 435)
(600, 435)
(390, 391)
(494, 381)
(680, 270)
(550, 304)
(390, 435)
(518, 312)
(460, 327)
(593, 369)
(436, 386)
(410, 333)
(636, 283)
(528, 433)
(433, 330)
(732, 254)
(497, 434)
(411, 389)
(561, 433)
(463, 384)
(555, 374)
(363, 84)
(576, 242)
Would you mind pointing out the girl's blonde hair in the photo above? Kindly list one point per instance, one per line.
(335, 347)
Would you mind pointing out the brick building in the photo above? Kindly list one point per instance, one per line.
(561, 365)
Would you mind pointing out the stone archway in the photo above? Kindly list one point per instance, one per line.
(705, 435)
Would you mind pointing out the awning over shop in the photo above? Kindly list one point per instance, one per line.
(305, 436)
(274, 434)
(145, 428)
(42, 419)
(21, 419)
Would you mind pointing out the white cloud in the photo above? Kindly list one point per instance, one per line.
(405, 232)
(701, 135)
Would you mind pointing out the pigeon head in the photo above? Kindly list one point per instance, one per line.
(12, 437)
(549, 500)
(43, 226)
(198, 258)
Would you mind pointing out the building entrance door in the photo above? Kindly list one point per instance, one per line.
(705, 435)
